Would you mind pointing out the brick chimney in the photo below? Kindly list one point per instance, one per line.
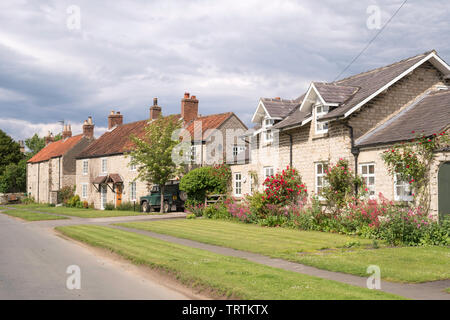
(189, 108)
(49, 139)
(88, 128)
(67, 131)
(114, 119)
(155, 110)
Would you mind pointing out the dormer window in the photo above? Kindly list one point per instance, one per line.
(321, 126)
(268, 134)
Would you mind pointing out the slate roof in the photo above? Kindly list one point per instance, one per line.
(55, 149)
(333, 93)
(428, 116)
(279, 108)
(371, 81)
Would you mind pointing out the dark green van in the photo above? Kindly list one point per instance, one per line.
(173, 198)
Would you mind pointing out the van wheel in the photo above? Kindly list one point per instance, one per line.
(166, 207)
(145, 207)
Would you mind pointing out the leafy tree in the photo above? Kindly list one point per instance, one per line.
(9, 151)
(14, 177)
(36, 143)
(152, 154)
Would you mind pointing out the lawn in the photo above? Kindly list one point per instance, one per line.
(401, 264)
(225, 276)
(79, 212)
(31, 216)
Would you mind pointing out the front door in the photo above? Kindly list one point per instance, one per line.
(444, 189)
(118, 194)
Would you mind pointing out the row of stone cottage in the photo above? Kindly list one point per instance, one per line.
(355, 118)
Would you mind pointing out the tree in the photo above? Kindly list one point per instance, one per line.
(152, 154)
(35, 143)
(9, 151)
(14, 177)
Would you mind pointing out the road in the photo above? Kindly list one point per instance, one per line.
(34, 261)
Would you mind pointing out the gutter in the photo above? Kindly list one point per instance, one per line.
(354, 151)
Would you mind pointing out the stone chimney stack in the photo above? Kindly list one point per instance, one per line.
(189, 108)
(155, 110)
(22, 146)
(114, 119)
(49, 139)
(67, 132)
(88, 128)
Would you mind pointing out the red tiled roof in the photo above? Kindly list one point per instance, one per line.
(116, 141)
(212, 121)
(56, 149)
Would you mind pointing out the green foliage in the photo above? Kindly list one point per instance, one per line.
(284, 188)
(34, 144)
(74, 202)
(9, 151)
(14, 177)
(128, 206)
(191, 216)
(28, 200)
(216, 211)
(204, 180)
(65, 194)
(341, 185)
(109, 206)
(153, 153)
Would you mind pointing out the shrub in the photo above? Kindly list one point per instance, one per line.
(85, 205)
(199, 182)
(340, 185)
(65, 194)
(191, 216)
(28, 200)
(126, 206)
(109, 206)
(284, 188)
(73, 201)
(216, 211)
(196, 209)
(240, 210)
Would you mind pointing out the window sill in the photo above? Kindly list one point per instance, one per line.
(320, 135)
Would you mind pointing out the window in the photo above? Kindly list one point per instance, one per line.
(321, 168)
(321, 127)
(368, 174)
(237, 184)
(84, 190)
(133, 191)
(268, 134)
(268, 172)
(85, 167)
(237, 150)
(104, 165)
(193, 153)
(402, 190)
(250, 180)
(132, 166)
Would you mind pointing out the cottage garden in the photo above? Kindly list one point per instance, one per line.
(343, 206)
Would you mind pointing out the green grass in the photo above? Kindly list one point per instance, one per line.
(402, 264)
(225, 276)
(447, 290)
(80, 212)
(31, 216)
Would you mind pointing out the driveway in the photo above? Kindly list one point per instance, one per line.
(34, 261)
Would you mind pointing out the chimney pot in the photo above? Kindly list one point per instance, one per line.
(155, 110)
(89, 120)
(186, 95)
(155, 101)
(88, 128)
(277, 98)
(114, 119)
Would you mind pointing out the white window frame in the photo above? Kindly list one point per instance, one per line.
(237, 149)
(85, 167)
(193, 153)
(406, 189)
(267, 132)
(104, 169)
(320, 177)
(132, 166)
(84, 190)
(321, 126)
(237, 184)
(133, 191)
(268, 172)
(366, 177)
(103, 196)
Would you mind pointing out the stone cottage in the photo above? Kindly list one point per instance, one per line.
(355, 118)
(103, 171)
(53, 167)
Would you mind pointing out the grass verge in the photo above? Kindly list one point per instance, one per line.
(225, 276)
(400, 264)
(78, 212)
(31, 216)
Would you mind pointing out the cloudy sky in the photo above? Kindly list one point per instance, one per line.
(121, 54)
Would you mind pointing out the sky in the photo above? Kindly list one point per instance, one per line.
(67, 60)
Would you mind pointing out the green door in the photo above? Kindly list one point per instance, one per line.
(444, 189)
